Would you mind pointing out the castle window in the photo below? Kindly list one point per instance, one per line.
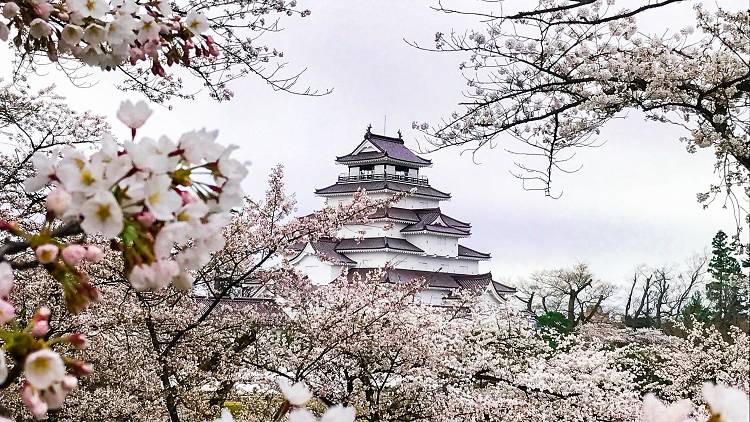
(366, 170)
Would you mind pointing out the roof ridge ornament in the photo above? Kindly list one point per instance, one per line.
(369, 131)
(399, 134)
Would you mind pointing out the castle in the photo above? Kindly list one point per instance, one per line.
(414, 239)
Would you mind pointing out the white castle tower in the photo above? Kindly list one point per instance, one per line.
(413, 238)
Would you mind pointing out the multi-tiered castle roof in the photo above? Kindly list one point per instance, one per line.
(414, 239)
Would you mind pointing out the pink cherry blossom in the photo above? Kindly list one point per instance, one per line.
(74, 254)
(40, 328)
(7, 312)
(94, 253)
(47, 253)
(58, 201)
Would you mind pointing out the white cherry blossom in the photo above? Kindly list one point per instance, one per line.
(3, 367)
(656, 411)
(148, 30)
(153, 276)
(196, 22)
(94, 34)
(160, 198)
(6, 279)
(72, 34)
(226, 416)
(183, 281)
(296, 394)
(10, 9)
(81, 177)
(231, 168)
(89, 8)
(58, 201)
(39, 28)
(152, 156)
(102, 215)
(338, 413)
(198, 146)
(134, 115)
(45, 170)
(730, 404)
(302, 415)
(127, 7)
(164, 7)
(120, 30)
(44, 368)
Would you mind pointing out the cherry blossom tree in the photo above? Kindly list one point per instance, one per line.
(138, 283)
(165, 329)
(214, 41)
(35, 122)
(346, 341)
(137, 196)
(545, 76)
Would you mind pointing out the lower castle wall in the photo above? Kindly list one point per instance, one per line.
(414, 262)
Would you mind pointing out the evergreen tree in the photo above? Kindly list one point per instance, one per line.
(727, 293)
(697, 309)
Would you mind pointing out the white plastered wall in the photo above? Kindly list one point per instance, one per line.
(434, 244)
(379, 259)
(317, 270)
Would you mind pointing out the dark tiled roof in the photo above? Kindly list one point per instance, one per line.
(369, 243)
(434, 228)
(367, 155)
(429, 216)
(327, 249)
(395, 148)
(471, 253)
(481, 281)
(477, 282)
(454, 223)
(502, 288)
(403, 214)
(420, 217)
(400, 276)
(388, 147)
(382, 185)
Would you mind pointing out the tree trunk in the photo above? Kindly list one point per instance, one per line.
(169, 397)
(572, 296)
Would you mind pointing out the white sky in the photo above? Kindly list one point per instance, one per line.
(633, 202)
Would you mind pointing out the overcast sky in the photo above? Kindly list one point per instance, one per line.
(633, 202)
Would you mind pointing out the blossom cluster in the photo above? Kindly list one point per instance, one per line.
(298, 394)
(104, 34)
(48, 376)
(161, 204)
(151, 195)
(725, 404)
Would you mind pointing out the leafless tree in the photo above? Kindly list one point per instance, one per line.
(573, 292)
(659, 293)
